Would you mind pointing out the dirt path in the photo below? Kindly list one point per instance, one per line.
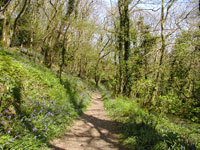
(94, 131)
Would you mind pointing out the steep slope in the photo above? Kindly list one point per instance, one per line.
(34, 105)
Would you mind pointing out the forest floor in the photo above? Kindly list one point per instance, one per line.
(93, 131)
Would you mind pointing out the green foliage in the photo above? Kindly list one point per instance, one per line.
(34, 105)
(9, 81)
(184, 82)
(24, 30)
(141, 130)
(141, 91)
(179, 84)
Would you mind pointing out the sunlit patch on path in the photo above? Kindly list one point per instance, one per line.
(94, 131)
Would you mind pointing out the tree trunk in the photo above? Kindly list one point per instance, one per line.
(127, 87)
(162, 51)
(124, 47)
(80, 69)
(63, 62)
(120, 45)
(21, 13)
(6, 32)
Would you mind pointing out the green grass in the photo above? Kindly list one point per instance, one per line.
(141, 130)
(34, 106)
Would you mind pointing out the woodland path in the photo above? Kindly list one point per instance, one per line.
(93, 131)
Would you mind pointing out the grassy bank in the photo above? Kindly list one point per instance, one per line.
(34, 106)
(141, 130)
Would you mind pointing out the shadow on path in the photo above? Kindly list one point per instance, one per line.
(102, 125)
(93, 131)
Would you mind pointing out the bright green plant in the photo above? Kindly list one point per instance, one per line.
(141, 130)
(35, 106)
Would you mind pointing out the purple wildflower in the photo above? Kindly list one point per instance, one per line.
(2, 122)
(46, 128)
(11, 141)
(6, 111)
(19, 137)
(34, 129)
(8, 131)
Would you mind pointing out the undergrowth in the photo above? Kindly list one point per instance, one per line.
(34, 105)
(141, 130)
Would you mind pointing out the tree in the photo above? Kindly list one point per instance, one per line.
(9, 28)
(124, 46)
(164, 17)
(70, 9)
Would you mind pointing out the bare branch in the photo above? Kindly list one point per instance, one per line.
(104, 48)
(134, 5)
(154, 10)
(5, 6)
(21, 13)
(169, 6)
(45, 13)
(186, 16)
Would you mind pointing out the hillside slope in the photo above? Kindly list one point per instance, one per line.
(34, 105)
